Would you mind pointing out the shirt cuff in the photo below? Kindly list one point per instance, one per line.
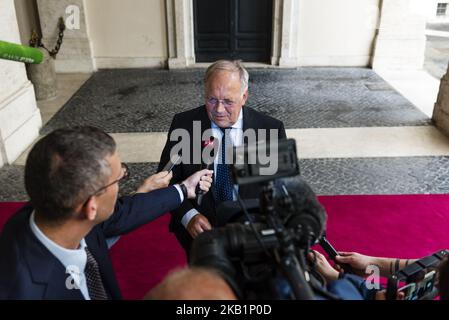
(188, 216)
(181, 195)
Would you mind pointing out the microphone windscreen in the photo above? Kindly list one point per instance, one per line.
(307, 211)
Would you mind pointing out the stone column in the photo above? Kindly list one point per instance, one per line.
(20, 119)
(401, 40)
(285, 33)
(76, 51)
(441, 110)
(180, 33)
(289, 29)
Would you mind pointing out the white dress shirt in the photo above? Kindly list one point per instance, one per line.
(236, 137)
(73, 260)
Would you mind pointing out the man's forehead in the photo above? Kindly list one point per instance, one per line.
(232, 75)
(229, 81)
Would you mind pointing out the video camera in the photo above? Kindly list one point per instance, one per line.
(418, 281)
(263, 256)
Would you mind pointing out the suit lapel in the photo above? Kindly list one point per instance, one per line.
(206, 124)
(46, 270)
(248, 123)
(204, 118)
(60, 286)
(248, 120)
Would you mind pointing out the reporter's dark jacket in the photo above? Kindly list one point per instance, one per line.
(29, 271)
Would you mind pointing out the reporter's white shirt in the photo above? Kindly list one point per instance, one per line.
(73, 260)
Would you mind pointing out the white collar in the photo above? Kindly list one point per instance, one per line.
(69, 258)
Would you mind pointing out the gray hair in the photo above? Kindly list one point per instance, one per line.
(231, 66)
(65, 168)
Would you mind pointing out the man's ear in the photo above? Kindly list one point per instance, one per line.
(245, 97)
(90, 209)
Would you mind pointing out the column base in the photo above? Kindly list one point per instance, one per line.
(22, 121)
(180, 63)
(74, 57)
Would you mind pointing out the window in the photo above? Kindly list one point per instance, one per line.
(442, 9)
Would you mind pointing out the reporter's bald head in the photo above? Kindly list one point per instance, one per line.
(192, 284)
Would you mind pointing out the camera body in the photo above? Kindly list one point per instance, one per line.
(251, 162)
(263, 256)
(418, 280)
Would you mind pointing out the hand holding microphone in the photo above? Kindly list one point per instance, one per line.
(201, 180)
(198, 183)
(208, 164)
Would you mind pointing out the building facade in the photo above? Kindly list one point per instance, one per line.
(382, 34)
(438, 11)
(176, 33)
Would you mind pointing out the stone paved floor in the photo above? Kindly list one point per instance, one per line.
(142, 100)
(401, 175)
(332, 99)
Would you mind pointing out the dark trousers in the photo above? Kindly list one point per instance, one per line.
(184, 238)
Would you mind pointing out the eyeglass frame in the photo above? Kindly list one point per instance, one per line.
(215, 102)
(125, 177)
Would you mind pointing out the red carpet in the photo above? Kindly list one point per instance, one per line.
(7, 209)
(405, 226)
(144, 257)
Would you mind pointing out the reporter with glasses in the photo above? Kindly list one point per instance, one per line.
(56, 247)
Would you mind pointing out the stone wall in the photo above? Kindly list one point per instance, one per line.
(20, 120)
(156, 33)
(441, 110)
(401, 40)
(76, 51)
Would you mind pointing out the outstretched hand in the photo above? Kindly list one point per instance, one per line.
(202, 178)
(156, 181)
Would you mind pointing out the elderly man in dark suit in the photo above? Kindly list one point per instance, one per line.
(223, 115)
(57, 247)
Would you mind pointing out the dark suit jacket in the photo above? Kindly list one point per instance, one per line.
(29, 271)
(251, 120)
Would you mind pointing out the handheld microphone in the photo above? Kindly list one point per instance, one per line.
(332, 253)
(307, 216)
(208, 164)
(174, 160)
(17, 52)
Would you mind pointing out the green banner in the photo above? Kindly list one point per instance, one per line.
(17, 52)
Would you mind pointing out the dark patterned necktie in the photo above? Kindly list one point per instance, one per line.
(93, 278)
(223, 182)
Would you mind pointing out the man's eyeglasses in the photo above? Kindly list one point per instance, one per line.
(123, 178)
(214, 102)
